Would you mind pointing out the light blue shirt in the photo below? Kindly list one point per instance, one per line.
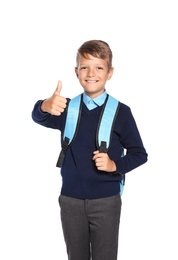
(93, 103)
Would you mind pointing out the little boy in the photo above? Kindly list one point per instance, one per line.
(90, 199)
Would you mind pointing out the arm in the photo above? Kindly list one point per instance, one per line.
(130, 140)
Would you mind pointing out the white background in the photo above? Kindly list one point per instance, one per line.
(38, 45)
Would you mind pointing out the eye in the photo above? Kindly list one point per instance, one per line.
(83, 68)
(99, 68)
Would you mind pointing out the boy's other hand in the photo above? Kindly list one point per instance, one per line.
(56, 104)
(103, 162)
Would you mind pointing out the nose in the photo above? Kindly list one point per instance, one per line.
(90, 73)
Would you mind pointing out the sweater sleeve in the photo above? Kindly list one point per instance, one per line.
(135, 153)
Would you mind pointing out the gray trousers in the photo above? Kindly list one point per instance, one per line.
(91, 227)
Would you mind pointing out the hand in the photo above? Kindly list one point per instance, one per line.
(103, 162)
(56, 104)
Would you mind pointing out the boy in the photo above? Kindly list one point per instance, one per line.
(90, 199)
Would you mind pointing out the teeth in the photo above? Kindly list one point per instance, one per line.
(91, 81)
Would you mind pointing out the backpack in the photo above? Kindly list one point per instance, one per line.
(107, 118)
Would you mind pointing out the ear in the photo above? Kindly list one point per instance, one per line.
(76, 71)
(110, 73)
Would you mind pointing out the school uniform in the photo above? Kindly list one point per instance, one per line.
(90, 199)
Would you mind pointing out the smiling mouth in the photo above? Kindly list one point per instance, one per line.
(91, 81)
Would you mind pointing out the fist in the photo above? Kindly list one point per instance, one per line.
(56, 104)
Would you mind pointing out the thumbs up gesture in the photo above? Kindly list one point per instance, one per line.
(56, 104)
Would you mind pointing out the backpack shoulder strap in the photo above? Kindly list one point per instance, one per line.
(71, 126)
(105, 129)
(106, 123)
(72, 119)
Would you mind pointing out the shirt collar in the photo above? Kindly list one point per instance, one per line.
(99, 101)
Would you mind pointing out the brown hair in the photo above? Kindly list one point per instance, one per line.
(96, 48)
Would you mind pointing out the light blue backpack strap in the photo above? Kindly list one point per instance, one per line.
(110, 110)
(72, 118)
(71, 126)
(104, 131)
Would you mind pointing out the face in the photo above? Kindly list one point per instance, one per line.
(93, 74)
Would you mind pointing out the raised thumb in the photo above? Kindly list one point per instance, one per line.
(59, 87)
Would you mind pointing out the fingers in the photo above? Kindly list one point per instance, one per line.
(99, 158)
(103, 162)
(56, 104)
(95, 152)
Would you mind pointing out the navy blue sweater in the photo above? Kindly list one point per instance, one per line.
(80, 177)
